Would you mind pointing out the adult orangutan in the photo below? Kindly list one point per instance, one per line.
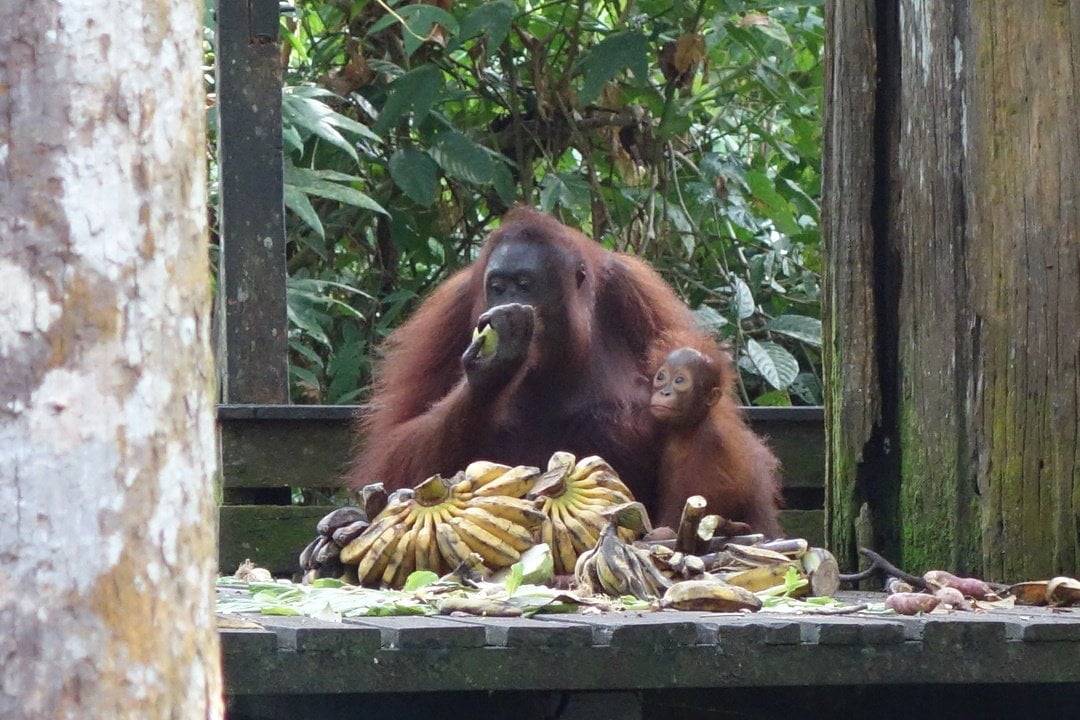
(580, 331)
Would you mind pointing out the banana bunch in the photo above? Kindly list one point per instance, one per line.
(574, 495)
(439, 524)
(618, 568)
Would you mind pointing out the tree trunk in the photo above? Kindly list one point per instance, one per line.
(952, 225)
(107, 449)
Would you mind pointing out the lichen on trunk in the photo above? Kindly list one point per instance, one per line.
(106, 395)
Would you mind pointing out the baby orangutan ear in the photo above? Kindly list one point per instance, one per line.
(713, 396)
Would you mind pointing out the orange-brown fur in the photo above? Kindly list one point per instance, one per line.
(726, 463)
(591, 397)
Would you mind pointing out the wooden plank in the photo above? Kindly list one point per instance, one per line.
(665, 650)
(272, 536)
(662, 629)
(304, 634)
(276, 453)
(525, 632)
(310, 445)
(755, 415)
(252, 347)
(420, 633)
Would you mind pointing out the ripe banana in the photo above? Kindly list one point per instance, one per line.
(617, 568)
(439, 524)
(573, 495)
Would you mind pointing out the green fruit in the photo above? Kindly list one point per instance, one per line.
(489, 340)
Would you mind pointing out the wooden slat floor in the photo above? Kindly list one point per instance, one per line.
(649, 651)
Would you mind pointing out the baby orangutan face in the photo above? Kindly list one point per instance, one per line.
(684, 389)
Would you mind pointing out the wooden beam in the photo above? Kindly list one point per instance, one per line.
(309, 445)
(252, 349)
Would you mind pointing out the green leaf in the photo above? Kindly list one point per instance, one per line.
(303, 315)
(776, 365)
(709, 320)
(310, 355)
(312, 182)
(303, 96)
(418, 579)
(291, 137)
(416, 174)
(568, 190)
(419, 20)
(503, 182)
(492, 20)
(313, 116)
(773, 398)
(298, 202)
(683, 227)
(304, 376)
(807, 388)
(327, 583)
(415, 92)
(744, 303)
(344, 369)
(604, 61)
(462, 158)
(778, 208)
(537, 565)
(280, 610)
(513, 580)
(775, 30)
(800, 327)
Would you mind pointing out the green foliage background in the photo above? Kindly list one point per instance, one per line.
(410, 128)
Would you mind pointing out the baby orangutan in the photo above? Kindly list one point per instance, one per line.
(736, 478)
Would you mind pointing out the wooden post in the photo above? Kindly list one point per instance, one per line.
(952, 224)
(252, 342)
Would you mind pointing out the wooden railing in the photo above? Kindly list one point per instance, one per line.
(267, 450)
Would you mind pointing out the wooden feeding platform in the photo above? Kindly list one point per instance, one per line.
(635, 664)
(267, 450)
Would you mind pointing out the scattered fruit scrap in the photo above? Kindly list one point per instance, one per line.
(504, 541)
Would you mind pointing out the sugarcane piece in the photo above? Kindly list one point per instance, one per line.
(705, 531)
(793, 548)
(686, 539)
(1030, 593)
(1063, 591)
(822, 571)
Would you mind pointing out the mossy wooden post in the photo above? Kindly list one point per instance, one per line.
(952, 223)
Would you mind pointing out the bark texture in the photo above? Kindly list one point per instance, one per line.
(107, 448)
(967, 452)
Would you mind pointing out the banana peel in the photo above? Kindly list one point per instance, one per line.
(709, 596)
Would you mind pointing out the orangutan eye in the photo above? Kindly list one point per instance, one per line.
(660, 376)
(680, 380)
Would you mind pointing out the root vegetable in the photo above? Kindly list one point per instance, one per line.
(970, 587)
(911, 603)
